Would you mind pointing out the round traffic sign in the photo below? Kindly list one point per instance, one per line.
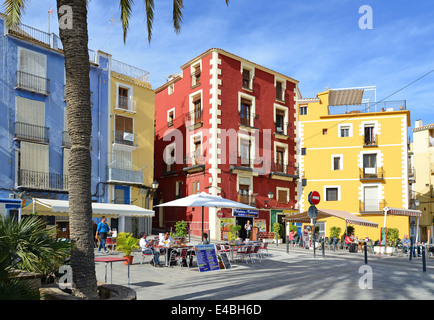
(314, 197)
(312, 212)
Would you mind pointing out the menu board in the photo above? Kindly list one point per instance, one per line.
(225, 260)
(206, 256)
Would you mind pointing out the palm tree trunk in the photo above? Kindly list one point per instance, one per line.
(79, 121)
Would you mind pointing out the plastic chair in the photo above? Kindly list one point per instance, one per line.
(110, 242)
(255, 253)
(244, 252)
(147, 254)
(264, 249)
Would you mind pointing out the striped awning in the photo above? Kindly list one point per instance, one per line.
(327, 213)
(402, 212)
(345, 97)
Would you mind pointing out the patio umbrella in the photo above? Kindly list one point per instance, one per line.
(205, 200)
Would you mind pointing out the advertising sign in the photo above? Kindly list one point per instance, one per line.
(245, 213)
(206, 256)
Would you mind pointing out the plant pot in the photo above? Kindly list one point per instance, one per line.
(130, 260)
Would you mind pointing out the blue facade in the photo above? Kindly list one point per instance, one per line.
(32, 117)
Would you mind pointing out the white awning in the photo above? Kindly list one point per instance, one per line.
(58, 207)
(345, 97)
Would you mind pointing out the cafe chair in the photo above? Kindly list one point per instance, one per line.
(145, 255)
(180, 256)
(255, 253)
(110, 242)
(264, 249)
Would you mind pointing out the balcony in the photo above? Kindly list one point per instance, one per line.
(125, 175)
(371, 173)
(372, 206)
(30, 82)
(283, 171)
(42, 180)
(195, 162)
(370, 141)
(126, 138)
(194, 119)
(249, 199)
(126, 104)
(31, 132)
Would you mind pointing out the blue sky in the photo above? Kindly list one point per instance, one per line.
(317, 42)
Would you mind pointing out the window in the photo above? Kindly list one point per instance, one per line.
(246, 79)
(370, 164)
(194, 116)
(197, 150)
(195, 75)
(324, 132)
(280, 120)
(303, 110)
(30, 120)
(245, 192)
(345, 131)
(280, 159)
(170, 117)
(124, 132)
(178, 190)
(197, 110)
(32, 71)
(171, 89)
(303, 151)
(336, 163)
(245, 152)
(332, 194)
(280, 91)
(122, 159)
(33, 166)
(369, 134)
(123, 98)
(245, 111)
(371, 199)
(282, 195)
(195, 187)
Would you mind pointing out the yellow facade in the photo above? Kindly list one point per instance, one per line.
(356, 160)
(131, 160)
(423, 164)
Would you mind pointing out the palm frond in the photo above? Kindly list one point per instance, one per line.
(149, 17)
(177, 15)
(126, 8)
(14, 10)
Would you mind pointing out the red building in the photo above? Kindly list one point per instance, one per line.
(226, 126)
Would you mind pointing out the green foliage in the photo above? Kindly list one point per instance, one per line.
(392, 235)
(234, 231)
(181, 228)
(126, 243)
(335, 232)
(293, 228)
(27, 245)
(276, 227)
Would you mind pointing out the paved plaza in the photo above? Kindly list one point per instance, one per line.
(296, 275)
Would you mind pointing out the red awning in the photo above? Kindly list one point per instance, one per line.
(402, 212)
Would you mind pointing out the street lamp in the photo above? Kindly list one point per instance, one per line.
(270, 196)
(155, 185)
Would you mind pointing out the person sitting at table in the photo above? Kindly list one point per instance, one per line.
(166, 241)
(205, 238)
(406, 244)
(146, 246)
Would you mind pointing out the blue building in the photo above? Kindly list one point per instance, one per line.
(34, 142)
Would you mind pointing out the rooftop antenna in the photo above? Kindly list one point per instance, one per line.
(50, 13)
(111, 22)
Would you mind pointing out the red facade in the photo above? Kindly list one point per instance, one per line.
(230, 126)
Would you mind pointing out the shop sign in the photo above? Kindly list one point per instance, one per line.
(245, 213)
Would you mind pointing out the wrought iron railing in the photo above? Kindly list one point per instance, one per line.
(289, 169)
(126, 138)
(33, 83)
(42, 180)
(27, 131)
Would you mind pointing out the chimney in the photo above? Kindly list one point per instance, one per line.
(418, 123)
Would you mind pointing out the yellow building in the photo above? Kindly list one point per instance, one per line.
(423, 162)
(131, 159)
(355, 155)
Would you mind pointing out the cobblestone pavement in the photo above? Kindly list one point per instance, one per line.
(296, 275)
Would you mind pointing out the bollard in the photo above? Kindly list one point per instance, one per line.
(189, 239)
(418, 250)
(323, 252)
(287, 244)
(423, 260)
(410, 256)
(277, 239)
(366, 253)
(334, 244)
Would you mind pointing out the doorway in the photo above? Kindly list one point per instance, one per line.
(241, 221)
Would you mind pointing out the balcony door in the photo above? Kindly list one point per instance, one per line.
(33, 167)
(122, 195)
(370, 164)
(124, 130)
(372, 202)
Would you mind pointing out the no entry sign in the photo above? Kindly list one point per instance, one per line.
(314, 197)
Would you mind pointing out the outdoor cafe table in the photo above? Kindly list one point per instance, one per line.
(106, 260)
(166, 248)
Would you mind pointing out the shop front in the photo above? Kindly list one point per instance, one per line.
(242, 217)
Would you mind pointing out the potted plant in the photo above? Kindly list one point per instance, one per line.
(126, 243)
(234, 231)
(181, 228)
(276, 230)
